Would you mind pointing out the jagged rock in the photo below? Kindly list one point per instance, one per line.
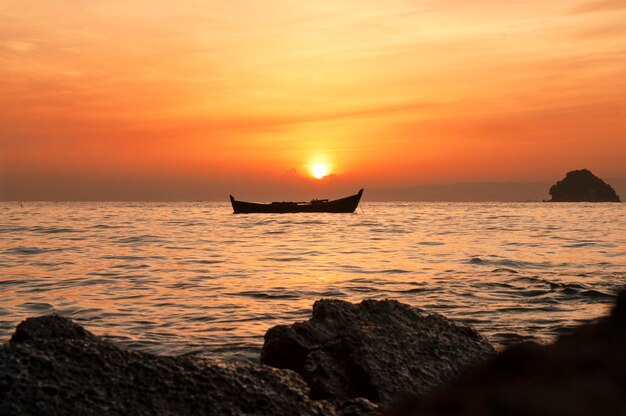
(53, 366)
(583, 373)
(380, 350)
(582, 186)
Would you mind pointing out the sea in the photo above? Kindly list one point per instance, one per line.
(196, 279)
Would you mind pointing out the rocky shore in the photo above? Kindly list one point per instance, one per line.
(372, 358)
(581, 374)
(53, 366)
(380, 350)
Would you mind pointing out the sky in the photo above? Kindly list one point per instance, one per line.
(131, 100)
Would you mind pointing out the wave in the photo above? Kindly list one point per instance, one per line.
(504, 270)
(106, 226)
(414, 290)
(511, 264)
(131, 257)
(38, 307)
(29, 251)
(53, 230)
(571, 290)
(205, 261)
(265, 295)
(10, 229)
(359, 270)
(283, 259)
(138, 239)
(583, 244)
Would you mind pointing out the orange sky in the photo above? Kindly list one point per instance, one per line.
(238, 94)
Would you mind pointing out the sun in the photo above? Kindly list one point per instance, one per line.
(319, 170)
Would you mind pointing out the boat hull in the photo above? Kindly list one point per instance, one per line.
(343, 205)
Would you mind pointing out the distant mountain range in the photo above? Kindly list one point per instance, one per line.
(121, 188)
(472, 192)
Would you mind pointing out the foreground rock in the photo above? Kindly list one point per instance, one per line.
(53, 366)
(582, 186)
(380, 350)
(581, 374)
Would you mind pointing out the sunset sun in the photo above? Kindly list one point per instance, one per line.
(319, 170)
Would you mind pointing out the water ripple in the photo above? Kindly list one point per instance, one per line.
(194, 278)
(28, 251)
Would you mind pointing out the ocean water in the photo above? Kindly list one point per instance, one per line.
(193, 278)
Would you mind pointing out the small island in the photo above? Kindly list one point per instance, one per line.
(582, 186)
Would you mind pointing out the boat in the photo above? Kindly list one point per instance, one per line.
(346, 205)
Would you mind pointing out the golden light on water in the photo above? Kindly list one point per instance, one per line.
(319, 170)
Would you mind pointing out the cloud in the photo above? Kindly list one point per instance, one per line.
(602, 33)
(18, 45)
(599, 6)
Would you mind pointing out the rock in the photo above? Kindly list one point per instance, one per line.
(380, 350)
(582, 186)
(53, 366)
(358, 407)
(583, 373)
(50, 327)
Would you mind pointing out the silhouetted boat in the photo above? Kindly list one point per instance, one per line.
(347, 204)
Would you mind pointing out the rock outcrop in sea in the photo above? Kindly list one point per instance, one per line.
(582, 186)
(581, 374)
(54, 366)
(380, 350)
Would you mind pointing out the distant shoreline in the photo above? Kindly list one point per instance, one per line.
(454, 192)
(216, 201)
